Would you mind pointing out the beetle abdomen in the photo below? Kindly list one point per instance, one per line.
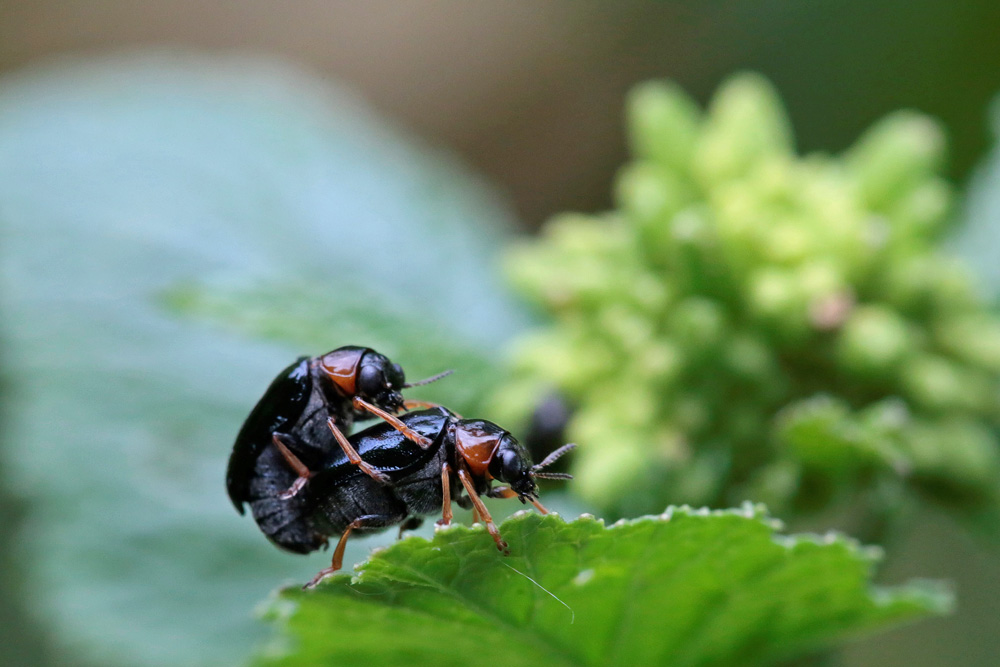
(338, 507)
(285, 527)
(285, 522)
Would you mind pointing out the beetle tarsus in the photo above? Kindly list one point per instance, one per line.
(354, 457)
(323, 574)
(412, 523)
(379, 477)
(423, 405)
(294, 489)
(293, 461)
(362, 404)
(538, 505)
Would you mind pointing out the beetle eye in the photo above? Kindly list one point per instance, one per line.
(370, 380)
(513, 466)
(396, 377)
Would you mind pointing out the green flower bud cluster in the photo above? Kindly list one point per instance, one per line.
(753, 324)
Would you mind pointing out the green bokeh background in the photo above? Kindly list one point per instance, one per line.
(529, 99)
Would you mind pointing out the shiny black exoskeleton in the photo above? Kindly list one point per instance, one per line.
(302, 403)
(465, 454)
(323, 507)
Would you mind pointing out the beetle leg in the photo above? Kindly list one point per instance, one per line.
(367, 521)
(300, 468)
(410, 404)
(362, 404)
(475, 515)
(412, 523)
(485, 513)
(538, 505)
(354, 457)
(446, 514)
(505, 492)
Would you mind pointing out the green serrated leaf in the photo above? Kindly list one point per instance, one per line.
(689, 587)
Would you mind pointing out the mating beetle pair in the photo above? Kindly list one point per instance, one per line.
(306, 481)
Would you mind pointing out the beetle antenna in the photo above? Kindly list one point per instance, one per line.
(550, 459)
(432, 378)
(552, 475)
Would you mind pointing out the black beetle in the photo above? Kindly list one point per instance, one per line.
(340, 498)
(309, 399)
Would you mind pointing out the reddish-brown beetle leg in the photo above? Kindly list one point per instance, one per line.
(409, 405)
(412, 523)
(505, 492)
(483, 512)
(538, 505)
(446, 514)
(362, 404)
(367, 521)
(293, 461)
(354, 457)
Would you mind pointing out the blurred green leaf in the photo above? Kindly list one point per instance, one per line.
(176, 229)
(304, 314)
(690, 587)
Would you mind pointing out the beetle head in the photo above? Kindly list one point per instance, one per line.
(380, 381)
(491, 452)
(363, 372)
(367, 374)
(512, 464)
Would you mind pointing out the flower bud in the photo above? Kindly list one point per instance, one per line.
(895, 155)
(746, 123)
(663, 124)
(874, 342)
